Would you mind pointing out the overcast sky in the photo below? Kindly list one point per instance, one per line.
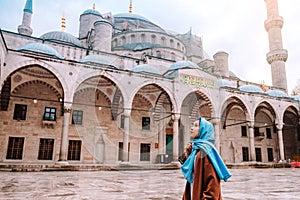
(233, 26)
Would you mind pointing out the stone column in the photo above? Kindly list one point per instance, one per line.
(216, 123)
(175, 137)
(251, 140)
(125, 157)
(161, 141)
(64, 136)
(280, 140)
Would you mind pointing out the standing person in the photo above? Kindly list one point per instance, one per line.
(204, 167)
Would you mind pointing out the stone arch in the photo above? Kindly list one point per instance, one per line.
(53, 89)
(197, 100)
(107, 86)
(194, 104)
(96, 91)
(150, 104)
(105, 75)
(233, 102)
(290, 132)
(28, 63)
(267, 108)
(163, 88)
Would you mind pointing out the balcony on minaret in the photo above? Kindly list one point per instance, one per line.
(277, 55)
(274, 22)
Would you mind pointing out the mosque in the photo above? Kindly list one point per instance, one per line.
(125, 90)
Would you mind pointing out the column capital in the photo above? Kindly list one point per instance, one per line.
(251, 124)
(215, 121)
(67, 107)
(279, 126)
(175, 116)
(127, 112)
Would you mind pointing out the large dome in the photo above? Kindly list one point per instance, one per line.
(131, 16)
(60, 36)
(40, 48)
(129, 21)
(137, 46)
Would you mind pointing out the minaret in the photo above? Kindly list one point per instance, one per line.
(24, 28)
(277, 55)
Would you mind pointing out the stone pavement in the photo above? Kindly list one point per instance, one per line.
(251, 183)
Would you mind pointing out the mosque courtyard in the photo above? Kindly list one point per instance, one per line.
(251, 183)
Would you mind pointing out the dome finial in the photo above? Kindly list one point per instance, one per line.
(94, 6)
(130, 7)
(63, 23)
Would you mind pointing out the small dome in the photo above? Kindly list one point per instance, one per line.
(61, 37)
(276, 93)
(40, 48)
(146, 68)
(297, 98)
(96, 59)
(251, 89)
(226, 83)
(91, 11)
(183, 64)
(172, 71)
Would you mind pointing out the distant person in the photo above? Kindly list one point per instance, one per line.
(204, 168)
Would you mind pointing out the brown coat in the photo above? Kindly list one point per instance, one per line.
(206, 183)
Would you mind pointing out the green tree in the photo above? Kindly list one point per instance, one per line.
(296, 90)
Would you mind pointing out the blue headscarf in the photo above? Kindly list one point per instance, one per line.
(205, 141)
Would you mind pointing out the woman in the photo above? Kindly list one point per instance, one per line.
(204, 167)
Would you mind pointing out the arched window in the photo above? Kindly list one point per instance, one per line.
(163, 41)
(171, 43)
(158, 54)
(132, 38)
(143, 38)
(173, 57)
(115, 42)
(123, 40)
(153, 39)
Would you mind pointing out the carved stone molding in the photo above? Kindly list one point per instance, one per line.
(274, 22)
(67, 109)
(277, 55)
